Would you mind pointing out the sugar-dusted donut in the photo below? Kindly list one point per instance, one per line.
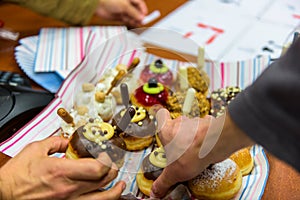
(220, 181)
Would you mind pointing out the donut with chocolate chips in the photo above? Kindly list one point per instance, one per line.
(221, 98)
(152, 166)
(139, 134)
(93, 138)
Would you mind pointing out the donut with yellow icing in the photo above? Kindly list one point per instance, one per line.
(152, 166)
(93, 138)
(140, 132)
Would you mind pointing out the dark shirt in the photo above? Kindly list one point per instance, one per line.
(268, 111)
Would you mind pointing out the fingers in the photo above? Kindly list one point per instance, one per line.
(48, 146)
(111, 194)
(134, 15)
(140, 5)
(86, 168)
(56, 144)
(162, 184)
(135, 10)
(112, 174)
(87, 186)
(162, 117)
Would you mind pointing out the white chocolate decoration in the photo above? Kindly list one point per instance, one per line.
(183, 78)
(98, 131)
(158, 157)
(201, 57)
(188, 101)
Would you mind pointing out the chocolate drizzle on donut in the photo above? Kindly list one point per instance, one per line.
(84, 148)
(151, 172)
(143, 128)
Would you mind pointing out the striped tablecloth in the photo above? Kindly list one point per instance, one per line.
(46, 124)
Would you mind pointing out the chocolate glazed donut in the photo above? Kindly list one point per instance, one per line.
(83, 146)
(139, 133)
(152, 166)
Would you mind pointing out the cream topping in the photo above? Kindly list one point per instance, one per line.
(98, 131)
(158, 158)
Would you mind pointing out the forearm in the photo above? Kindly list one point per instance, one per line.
(70, 11)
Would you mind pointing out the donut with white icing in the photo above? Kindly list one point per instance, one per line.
(219, 181)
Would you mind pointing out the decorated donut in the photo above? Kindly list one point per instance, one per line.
(220, 99)
(220, 181)
(77, 117)
(189, 103)
(128, 78)
(150, 95)
(192, 77)
(139, 134)
(93, 138)
(158, 70)
(152, 166)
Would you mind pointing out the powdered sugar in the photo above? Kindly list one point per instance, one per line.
(212, 176)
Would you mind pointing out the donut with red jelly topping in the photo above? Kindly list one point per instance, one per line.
(151, 94)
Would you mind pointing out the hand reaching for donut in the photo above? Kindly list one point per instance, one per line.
(192, 144)
(130, 12)
(32, 174)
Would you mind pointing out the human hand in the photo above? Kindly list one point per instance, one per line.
(191, 145)
(182, 139)
(32, 174)
(129, 12)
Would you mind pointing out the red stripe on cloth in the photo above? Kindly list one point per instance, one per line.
(81, 43)
(222, 75)
(131, 57)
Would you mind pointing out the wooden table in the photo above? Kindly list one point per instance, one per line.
(283, 182)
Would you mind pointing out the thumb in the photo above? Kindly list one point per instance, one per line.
(162, 184)
(162, 116)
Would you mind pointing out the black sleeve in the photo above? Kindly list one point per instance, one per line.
(268, 111)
